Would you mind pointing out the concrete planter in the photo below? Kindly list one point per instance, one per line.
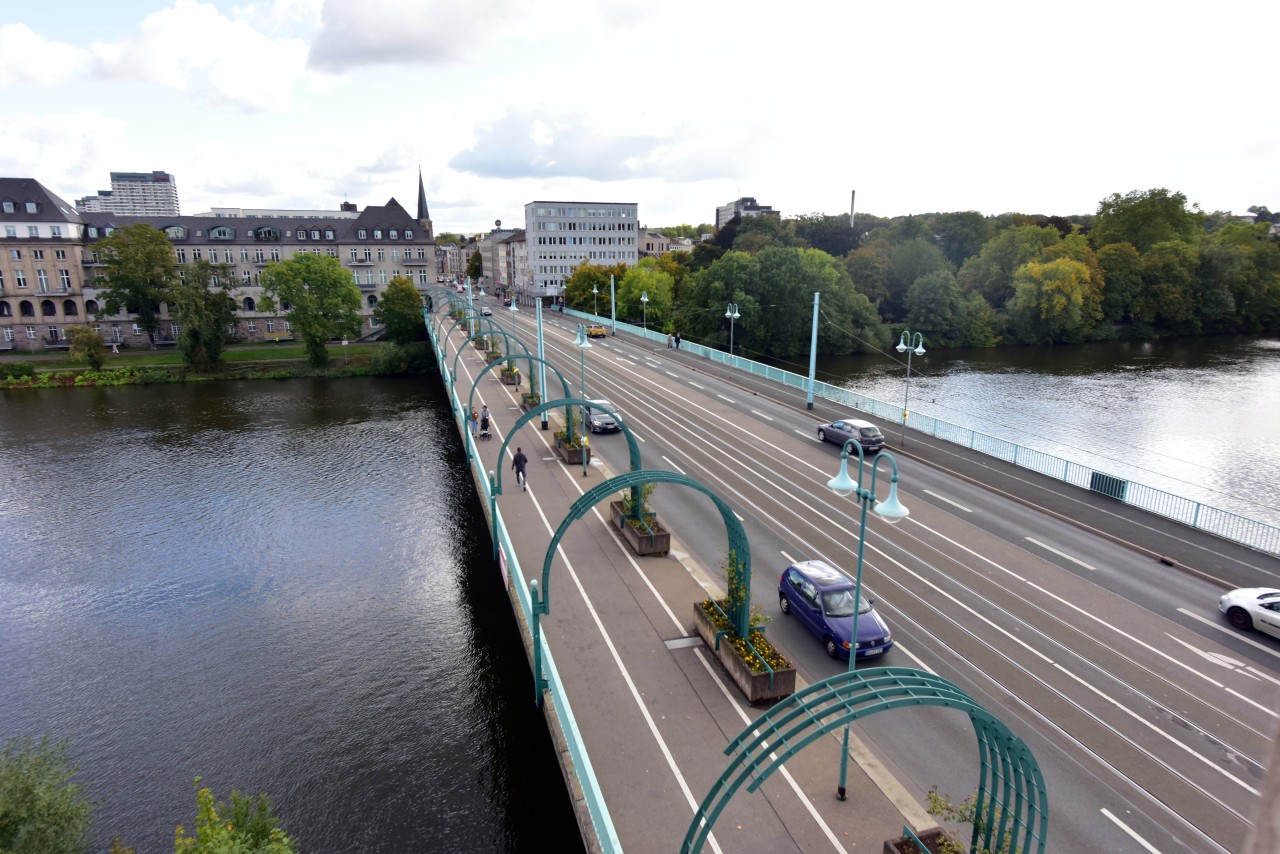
(572, 455)
(934, 840)
(754, 686)
(493, 356)
(510, 378)
(659, 543)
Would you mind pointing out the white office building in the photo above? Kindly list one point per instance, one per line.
(559, 236)
(135, 194)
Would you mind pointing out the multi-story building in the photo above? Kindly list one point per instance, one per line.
(743, 207)
(655, 243)
(40, 270)
(561, 235)
(135, 193)
(49, 273)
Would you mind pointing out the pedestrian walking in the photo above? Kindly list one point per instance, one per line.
(668, 340)
(677, 340)
(484, 423)
(518, 462)
(475, 425)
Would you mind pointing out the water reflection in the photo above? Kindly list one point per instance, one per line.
(280, 587)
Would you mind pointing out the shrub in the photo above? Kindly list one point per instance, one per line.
(17, 369)
(244, 825)
(41, 810)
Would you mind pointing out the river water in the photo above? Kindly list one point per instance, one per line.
(1197, 417)
(277, 586)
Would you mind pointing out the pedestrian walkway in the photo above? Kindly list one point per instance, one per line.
(654, 708)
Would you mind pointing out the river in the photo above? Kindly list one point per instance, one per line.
(277, 586)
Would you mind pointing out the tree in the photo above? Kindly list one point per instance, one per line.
(41, 810)
(990, 272)
(245, 825)
(204, 310)
(831, 234)
(960, 235)
(1122, 271)
(139, 269)
(400, 311)
(935, 307)
(912, 259)
(1049, 304)
(869, 267)
(646, 278)
(321, 301)
(577, 288)
(1168, 280)
(1145, 219)
(86, 347)
(475, 266)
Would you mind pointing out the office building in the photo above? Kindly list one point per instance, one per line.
(135, 194)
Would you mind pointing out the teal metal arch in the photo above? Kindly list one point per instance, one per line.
(633, 480)
(494, 331)
(1011, 800)
(566, 401)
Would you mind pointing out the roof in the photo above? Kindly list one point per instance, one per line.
(823, 574)
(49, 207)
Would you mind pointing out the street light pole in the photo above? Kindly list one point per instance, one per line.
(583, 343)
(644, 304)
(891, 510)
(595, 293)
(732, 313)
(908, 344)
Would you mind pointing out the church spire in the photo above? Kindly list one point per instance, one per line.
(424, 215)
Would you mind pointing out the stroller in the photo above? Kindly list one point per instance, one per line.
(484, 428)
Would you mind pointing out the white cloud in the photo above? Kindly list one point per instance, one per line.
(69, 154)
(26, 58)
(406, 32)
(192, 47)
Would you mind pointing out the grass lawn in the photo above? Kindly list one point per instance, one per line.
(292, 351)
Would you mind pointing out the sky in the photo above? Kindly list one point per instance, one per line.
(676, 106)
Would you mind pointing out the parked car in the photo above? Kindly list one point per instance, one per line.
(867, 434)
(822, 598)
(486, 312)
(599, 421)
(595, 330)
(1253, 608)
(507, 302)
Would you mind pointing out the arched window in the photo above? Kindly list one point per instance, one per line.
(69, 308)
(175, 232)
(284, 306)
(373, 300)
(48, 309)
(249, 304)
(26, 309)
(222, 232)
(91, 306)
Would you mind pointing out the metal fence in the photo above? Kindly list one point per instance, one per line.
(1254, 533)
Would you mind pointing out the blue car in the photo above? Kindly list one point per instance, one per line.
(822, 598)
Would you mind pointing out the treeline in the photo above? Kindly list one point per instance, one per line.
(1144, 266)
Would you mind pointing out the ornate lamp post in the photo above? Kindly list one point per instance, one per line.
(908, 344)
(583, 342)
(595, 293)
(732, 313)
(644, 304)
(891, 510)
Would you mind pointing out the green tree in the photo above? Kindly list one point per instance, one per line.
(912, 259)
(1122, 271)
(646, 278)
(1145, 219)
(1050, 302)
(475, 266)
(86, 346)
(245, 826)
(831, 234)
(756, 233)
(400, 311)
(139, 269)
(1168, 280)
(960, 235)
(990, 272)
(869, 267)
(577, 288)
(41, 810)
(935, 307)
(204, 310)
(321, 301)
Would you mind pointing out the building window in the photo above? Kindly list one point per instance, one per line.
(31, 333)
(377, 234)
(32, 207)
(368, 254)
(174, 329)
(42, 281)
(137, 330)
(182, 255)
(60, 254)
(116, 335)
(93, 231)
(20, 278)
(53, 333)
(362, 234)
(328, 234)
(393, 234)
(196, 255)
(275, 253)
(382, 255)
(302, 235)
(55, 231)
(37, 254)
(253, 325)
(64, 278)
(8, 334)
(33, 231)
(271, 326)
(8, 207)
(15, 254)
(10, 231)
(408, 234)
(315, 234)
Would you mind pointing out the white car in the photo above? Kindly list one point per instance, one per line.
(1253, 608)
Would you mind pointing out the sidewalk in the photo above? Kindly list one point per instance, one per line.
(654, 708)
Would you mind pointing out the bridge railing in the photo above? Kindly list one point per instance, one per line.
(1254, 533)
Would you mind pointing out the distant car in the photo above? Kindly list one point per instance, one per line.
(1253, 608)
(599, 421)
(867, 434)
(439, 280)
(507, 302)
(595, 330)
(486, 312)
(822, 598)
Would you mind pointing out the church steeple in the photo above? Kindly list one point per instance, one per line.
(424, 215)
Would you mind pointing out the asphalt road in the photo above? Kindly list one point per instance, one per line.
(1090, 629)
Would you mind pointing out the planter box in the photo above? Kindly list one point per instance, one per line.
(572, 455)
(934, 840)
(641, 543)
(754, 686)
(493, 356)
(510, 378)
(480, 345)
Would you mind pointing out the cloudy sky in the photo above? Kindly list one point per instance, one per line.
(677, 106)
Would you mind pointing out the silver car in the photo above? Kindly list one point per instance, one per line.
(1253, 608)
(867, 434)
(599, 421)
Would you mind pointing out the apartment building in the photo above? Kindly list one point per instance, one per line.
(561, 235)
(743, 207)
(135, 193)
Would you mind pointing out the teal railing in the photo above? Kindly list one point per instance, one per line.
(1254, 533)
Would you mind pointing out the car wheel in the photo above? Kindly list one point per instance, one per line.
(1240, 618)
(833, 649)
(822, 436)
(784, 605)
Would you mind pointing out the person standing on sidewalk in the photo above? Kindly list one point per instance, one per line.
(475, 425)
(518, 462)
(668, 340)
(677, 340)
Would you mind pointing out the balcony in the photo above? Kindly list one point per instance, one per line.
(360, 262)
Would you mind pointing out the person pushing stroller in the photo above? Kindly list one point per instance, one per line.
(484, 424)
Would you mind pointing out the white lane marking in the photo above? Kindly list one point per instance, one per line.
(673, 376)
(698, 387)
(1229, 631)
(630, 362)
(1136, 838)
(1058, 553)
(1213, 657)
(668, 461)
(789, 559)
(761, 415)
(726, 399)
(948, 500)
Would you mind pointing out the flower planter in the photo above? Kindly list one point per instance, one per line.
(493, 356)
(480, 344)
(511, 378)
(572, 455)
(934, 840)
(659, 543)
(754, 686)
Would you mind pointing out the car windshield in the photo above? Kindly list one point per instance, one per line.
(839, 603)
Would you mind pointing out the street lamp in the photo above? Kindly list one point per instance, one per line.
(583, 343)
(891, 510)
(732, 313)
(595, 292)
(908, 344)
(644, 305)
